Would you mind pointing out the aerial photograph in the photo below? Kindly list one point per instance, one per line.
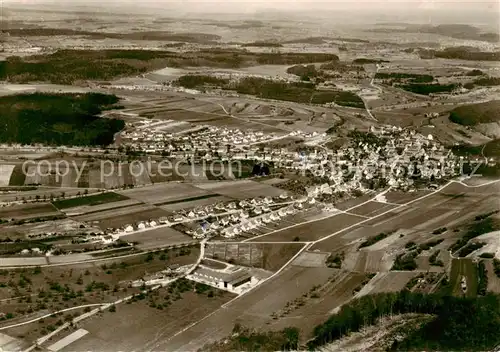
(249, 175)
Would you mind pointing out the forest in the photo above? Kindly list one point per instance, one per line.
(474, 114)
(460, 324)
(299, 92)
(58, 119)
(70, 66)
(426, 89)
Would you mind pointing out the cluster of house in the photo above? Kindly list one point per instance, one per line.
(396, 156)
(235, 218)
(225, 219)
(208, 140)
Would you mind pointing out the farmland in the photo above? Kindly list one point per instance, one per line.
(157, 238)
(463, 268)
(93, 200)
(266, 256)
(256, 183)
(311, 231)
(163, 194)
(153, 324)
(241, 189)
(254, 310)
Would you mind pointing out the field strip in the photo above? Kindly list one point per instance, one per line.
(319, 219)
(403, 205)
(67, 340)
(358, 215)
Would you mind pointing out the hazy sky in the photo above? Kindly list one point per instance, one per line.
(281, 4)
(489, 7)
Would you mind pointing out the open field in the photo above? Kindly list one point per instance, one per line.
(194, 202)
(140, 326)
(372, 209)
(165, 193)
(266, 256)
(158, 238)
(493, 279)
(312, 231)
(392, 281)
(139, 57)
(28, 211)
(98, 199)
(241, 189)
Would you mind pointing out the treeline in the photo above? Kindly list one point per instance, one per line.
(374, 239)
(460, 324)
(293, 58)
(363, 61)
(69, 66)
(471, 115)
(496, 267)
(426, 89)
(487, 81)
(341, 67)
(477, 228)
(199, 38)
(58, 119)
(412, 77)
(460, 53)
(433, 259)
(262, 44)
(195, 81)
(300, 92)
(406, 261)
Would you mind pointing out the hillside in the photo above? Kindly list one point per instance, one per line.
(475, 114)
(58, 119)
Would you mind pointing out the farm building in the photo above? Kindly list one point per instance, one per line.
(223, 279)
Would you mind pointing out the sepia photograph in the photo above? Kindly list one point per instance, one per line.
(249, 175)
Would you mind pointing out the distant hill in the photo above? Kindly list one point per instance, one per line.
(475, 114)
(460, 31)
